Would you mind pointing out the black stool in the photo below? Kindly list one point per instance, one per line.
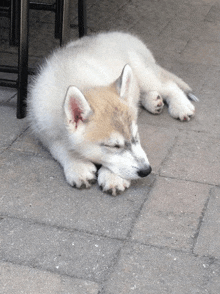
(18, 11)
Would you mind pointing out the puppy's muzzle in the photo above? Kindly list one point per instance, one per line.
(144, 172)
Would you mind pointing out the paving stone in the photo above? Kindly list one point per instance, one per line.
(10, 127)
(148, 24)
(209, 31)
(203, 82)
(156, 141)
(142, 269)
(196, 75)
(34, 187)
(171, 214)
(207, 113)
(17, 279)
(208, 103)
(108, 15)
(214, 13)
(200, 2)
(211, 83)
(165, 50)
(57, 250)
(40, 210)
(208, 242)
(198, 52)
(6, 94)
(28, 143)
(186, 22)
(179, 28)
(165, 121)
(195, 10)
(195, 157)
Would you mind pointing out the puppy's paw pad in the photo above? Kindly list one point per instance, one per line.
(80, 174)
(111, 183)
(182, 111)
(153, 102)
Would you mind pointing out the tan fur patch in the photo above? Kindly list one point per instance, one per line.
(110, 114)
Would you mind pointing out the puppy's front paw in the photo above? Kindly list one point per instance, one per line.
(182, 110)
(110, 182)
(153, 102)
(80, 174)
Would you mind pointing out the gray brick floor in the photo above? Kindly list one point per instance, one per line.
(160, 236)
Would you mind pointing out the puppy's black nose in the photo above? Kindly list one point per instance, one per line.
(144, 172)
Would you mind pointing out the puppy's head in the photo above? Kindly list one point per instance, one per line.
(102, 126)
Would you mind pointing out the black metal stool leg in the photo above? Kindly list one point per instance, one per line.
(82, 18)
(23, 59)
(58, 19)
(14, 22)
(65, 22)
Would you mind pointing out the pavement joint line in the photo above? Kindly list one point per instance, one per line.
(187, 42)
(187, 180)
(196, 235)
(169, 21)
(164, 248)
(5, 103)
(13, 141)
(111, 270)
(208, 13)
(127, 243)
(13, 96)
(116, 259)
(61, 228)
(112, 267)
(137, 214)
(174, 250)
(28, 153)
(50, 271)
(2, 151)
(185, 131)
(169, 151)
(124, 241)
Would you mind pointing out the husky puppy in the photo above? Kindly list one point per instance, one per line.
(83, 106)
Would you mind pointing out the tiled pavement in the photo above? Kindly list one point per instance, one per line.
(160, 236)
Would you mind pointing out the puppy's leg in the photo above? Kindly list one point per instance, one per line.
(150, 86)
(157, 85)
(78, 172)
(152, 101)
(111, 182)
(179, 105)
(166, 75)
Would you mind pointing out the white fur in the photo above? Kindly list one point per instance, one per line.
(111, 182)
(97, 61)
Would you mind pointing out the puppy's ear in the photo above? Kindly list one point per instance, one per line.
(124, 83)
(76, 107)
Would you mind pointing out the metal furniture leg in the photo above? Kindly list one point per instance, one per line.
(64, 5)
(57, 19)
(23, 59)
(14, 22)
(65, 23)
(82, 18)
